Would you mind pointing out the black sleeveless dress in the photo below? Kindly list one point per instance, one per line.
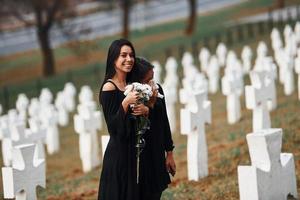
(118, 176)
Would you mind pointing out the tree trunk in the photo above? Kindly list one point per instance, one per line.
(192, 18)
(280, 3)
(48, 59)
(125, 6)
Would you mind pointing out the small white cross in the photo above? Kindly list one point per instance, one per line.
(20, 181)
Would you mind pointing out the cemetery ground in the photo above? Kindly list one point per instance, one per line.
(227, 148)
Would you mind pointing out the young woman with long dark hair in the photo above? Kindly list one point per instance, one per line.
(118, 176)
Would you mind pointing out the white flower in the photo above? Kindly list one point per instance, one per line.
(156, 87)
(128, 88)
(144, 90)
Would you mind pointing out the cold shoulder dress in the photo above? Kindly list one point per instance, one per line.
(118, 176)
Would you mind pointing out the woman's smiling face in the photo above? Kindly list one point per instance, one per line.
(125, 60)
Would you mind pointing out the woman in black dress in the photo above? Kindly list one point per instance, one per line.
(157, 157)
(118, 176)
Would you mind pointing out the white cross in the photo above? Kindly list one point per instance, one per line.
(6, 141)
(193, 126)
(104, 143)
(204, 56)
(28, 136)
(85, 94)
(288, 73)
(213, 74)
(171, 78)
(190, 85)
(61, 106)
(49, 120)
(221, 52)
(4, 127)
(272, 173)
(20, 181)
(297, 31)
(86, 123)
(70, 92)
(232, 87)
(297, 70)
(157, 71)
(10, 124)
(246, 58)
(267, 65)
(170, 93)
(21, 105)
(186, 95)
(257, 97)
(276, 40)
(187, 59)
(45, 97)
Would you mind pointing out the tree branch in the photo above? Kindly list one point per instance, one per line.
(16, 13)
(38, 16)
(51, 13)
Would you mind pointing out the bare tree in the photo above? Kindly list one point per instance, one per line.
(192, 17)
(46, 13)
(280, 3)
(125, 4)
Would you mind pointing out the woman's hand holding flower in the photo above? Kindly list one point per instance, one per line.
(131, 98)
(140, 109)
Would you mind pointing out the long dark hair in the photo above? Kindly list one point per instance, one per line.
(112, 56)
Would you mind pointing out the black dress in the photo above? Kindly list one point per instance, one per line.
(118, 176)
(154, 176)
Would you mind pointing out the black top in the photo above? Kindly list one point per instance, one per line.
(118, 176)
(154, 175)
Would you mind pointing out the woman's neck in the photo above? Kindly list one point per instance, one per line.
(120, 80)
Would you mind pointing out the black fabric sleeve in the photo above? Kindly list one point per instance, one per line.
(168, 142)
(114, 113)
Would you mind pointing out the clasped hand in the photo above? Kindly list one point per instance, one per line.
(137, 109)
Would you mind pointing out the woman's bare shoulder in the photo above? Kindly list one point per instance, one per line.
(108, 86)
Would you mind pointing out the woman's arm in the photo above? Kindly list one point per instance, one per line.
(114, 111)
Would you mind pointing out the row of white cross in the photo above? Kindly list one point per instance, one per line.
(22, 147)
(260, 96)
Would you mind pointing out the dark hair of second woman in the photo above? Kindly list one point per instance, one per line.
(112, 56)
(142, 68)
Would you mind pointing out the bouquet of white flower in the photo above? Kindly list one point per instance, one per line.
(144, 90)
(142, 122)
